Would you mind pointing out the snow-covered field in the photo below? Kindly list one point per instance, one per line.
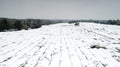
(62, 45)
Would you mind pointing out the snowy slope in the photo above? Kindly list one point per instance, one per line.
(61, 45)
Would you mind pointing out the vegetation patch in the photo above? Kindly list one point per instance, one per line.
(95, 38)
(97, 46)
(6, 59)
(118, 50)
(22, 65)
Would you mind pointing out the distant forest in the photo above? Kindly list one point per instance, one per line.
(110, 22)
(7, 24)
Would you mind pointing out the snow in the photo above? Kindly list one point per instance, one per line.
(61, 45)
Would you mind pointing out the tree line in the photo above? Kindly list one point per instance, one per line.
(111, 22)
(8, 24)
(16, 24)
(114, 22)
(5, 25)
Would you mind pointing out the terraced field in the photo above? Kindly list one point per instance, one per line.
(62, 45)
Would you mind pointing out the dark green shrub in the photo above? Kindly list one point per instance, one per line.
(4, 25)
(18, 25)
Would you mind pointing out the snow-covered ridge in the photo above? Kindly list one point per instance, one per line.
(62, 45)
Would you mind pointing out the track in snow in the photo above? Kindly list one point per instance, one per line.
(61, 45)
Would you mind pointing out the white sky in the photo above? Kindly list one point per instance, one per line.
(60, 9)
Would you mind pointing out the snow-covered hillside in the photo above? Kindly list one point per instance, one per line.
(62, 45)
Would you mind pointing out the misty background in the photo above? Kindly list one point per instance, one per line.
(60, 9)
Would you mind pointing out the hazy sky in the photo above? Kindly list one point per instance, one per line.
(60, 9)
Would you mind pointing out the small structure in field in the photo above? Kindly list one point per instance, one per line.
(76, 24)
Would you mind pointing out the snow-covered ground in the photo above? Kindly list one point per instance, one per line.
(61, 45)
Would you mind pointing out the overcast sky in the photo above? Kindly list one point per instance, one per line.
(60, 9)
